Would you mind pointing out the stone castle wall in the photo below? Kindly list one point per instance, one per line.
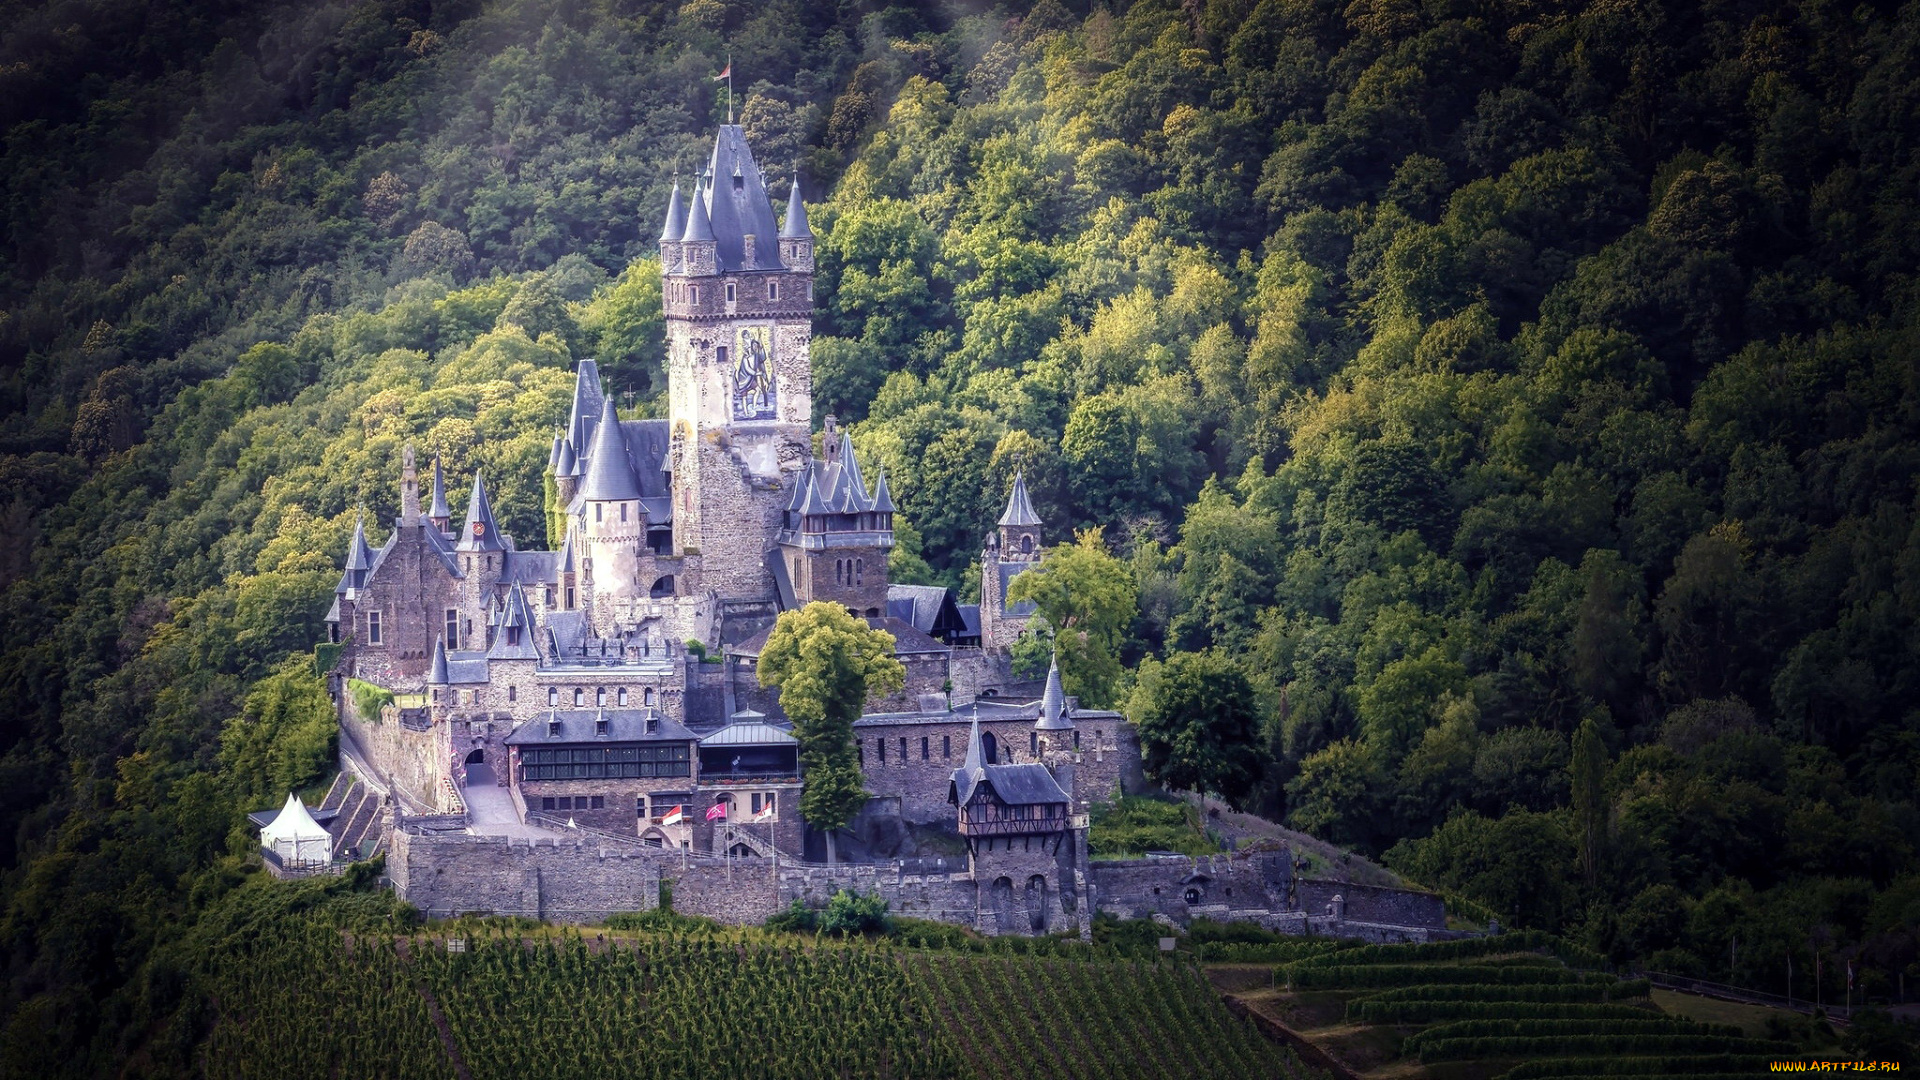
(569, 880)
(405, 758)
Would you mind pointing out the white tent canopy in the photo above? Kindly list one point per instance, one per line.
(295, 836)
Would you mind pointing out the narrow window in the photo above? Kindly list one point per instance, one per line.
(600, 696)
(1076, 738)
(903, 749)
(553, 697)
(756, 804)
(1033, 743)
(859, 571)
(579, 697)
(596, 513)
(695, 290)
(621, 697)
(569, 598)
(860, 750)
(549, 596)
(646, 696)
(773, 290)
(373, 628)
(639, 806)
(513, 693)
(623, 511)
(453, 629)
(720, 354)
(946, 746)
(923, 748)
(882, 744)
(729, 292)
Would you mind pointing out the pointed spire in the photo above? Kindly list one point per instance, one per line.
(676, 217)
(553, 455)
(569, 465)
(1053, 703)
(853, 487)
(437, 674)
(609, 472)
(480, 532)
(699, 227)
(797, 504)
(882, 498)
(976, 753)
(795, 227)
(587, 396)
(1019, 511)
(438, 512)
(567, 558)
(359, 554)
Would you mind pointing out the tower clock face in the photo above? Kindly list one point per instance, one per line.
(479, 528)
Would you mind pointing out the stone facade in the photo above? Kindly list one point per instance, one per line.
(565, 880)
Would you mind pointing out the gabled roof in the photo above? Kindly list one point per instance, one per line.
(609, 473)
(1015, 785)
(737, 206)
(1019, 512)
(795, 227)
(437, 541)
(486, 537)
(676, 223)
(514, 640)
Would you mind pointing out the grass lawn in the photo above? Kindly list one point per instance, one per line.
(1752, 1019)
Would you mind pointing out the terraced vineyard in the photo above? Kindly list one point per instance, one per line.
(315, 1005)
(1503, 1007)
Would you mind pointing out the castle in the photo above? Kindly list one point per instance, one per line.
(610, 685)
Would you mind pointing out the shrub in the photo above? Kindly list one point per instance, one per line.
(369, 699)
(797, 919)
(1304, 976)
(854, 913)
(1521, 1046)
(660, 919)
(1465, 948)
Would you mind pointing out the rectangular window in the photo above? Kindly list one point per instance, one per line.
(729, 292)
(946, 746)
(513, 693)
(547, 803)
(882, 744)
(1033, 743)
(923, 748)
(607, 762)
(693, 292)
(596, 513)
(1076, 738)
(373, 628)
(569, 598)
(773, 290)
(720, 354)
(860, 751)
(640, 806)
(453, 629)
(623, 511)
(903, 749)
(756, 803)
(599, 803)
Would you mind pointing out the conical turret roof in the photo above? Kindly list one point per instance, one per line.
(359, 554)
(567, 559)
(795, 227)
(798, 503)
(698, 226)
(569, 465)
(437, 671)
(973, 770)
(587, 398)
(882, 498)
(480, 532)
(851, 495)
(676, 216)
(609, 473)
(1053, 703)
(439, 507)
(1019, 512)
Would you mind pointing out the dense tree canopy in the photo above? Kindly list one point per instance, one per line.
(1514, 394)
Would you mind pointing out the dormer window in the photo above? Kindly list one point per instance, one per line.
(553, 727)
(653, 723)
(600, 727)
(739, 182)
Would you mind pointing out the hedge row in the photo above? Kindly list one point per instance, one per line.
(1648, 1025)
(1517, 941)
(1522, 1046)
(1257, 952)
(1695, 1067)
(1525, 959)
(1344, 975)
(1372, 1010)
(1580, 991)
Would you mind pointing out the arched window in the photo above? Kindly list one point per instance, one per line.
(1026, 542)
(620, 698)
(599, 696)
(859, 571)
(646, 696)
(579, 697)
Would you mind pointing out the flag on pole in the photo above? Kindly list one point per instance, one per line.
(725, 72)
(1849, 975)
(765, 814)
(674, 816)
(717, 810)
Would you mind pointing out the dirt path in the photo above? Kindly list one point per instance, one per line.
(446, 1035)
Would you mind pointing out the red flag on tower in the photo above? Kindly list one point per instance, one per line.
(718, 810)
(725, 72)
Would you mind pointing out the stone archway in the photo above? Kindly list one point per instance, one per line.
(1037, 904)
(478, 757)
(1002, 897)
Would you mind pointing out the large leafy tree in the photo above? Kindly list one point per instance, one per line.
(825, 663)
(1089, 598)
(1199, 722)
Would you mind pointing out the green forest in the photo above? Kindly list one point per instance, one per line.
(1480, 433)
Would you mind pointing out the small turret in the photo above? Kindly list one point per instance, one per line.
(438, 515)
(1019, 525)
(676, 225)
(796, 236)
(359, 561)
(1053, 703)
(480, 532)
(609, 473)
(699, 252)
(437, 671)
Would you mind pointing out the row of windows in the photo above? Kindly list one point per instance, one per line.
(691, 293)
(573, 802)
(850, 571)
(946, 747)
(620, 699)
(606, 763)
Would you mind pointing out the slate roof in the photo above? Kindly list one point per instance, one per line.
(437, 674)
(587, 398)
(531, 568)
(676, 222)
(917, 604)
(736, 205)
(515, 638)
(479, 512)
(439, 507)
(970, 615)
(1015, 785)
(1019, 512)
(782, 581)
(749, 728)
(609, 475)
(577, 726)
(795, 227)
(438, 543)
(466, 666)
(1053, 703)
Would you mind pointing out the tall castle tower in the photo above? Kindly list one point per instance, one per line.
(738, 294)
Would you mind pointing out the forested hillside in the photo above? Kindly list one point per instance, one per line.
(1512, 406)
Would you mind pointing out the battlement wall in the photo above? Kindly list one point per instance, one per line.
(575, 880)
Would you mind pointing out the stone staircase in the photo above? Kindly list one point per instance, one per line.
(336, 794)
(359, 818)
